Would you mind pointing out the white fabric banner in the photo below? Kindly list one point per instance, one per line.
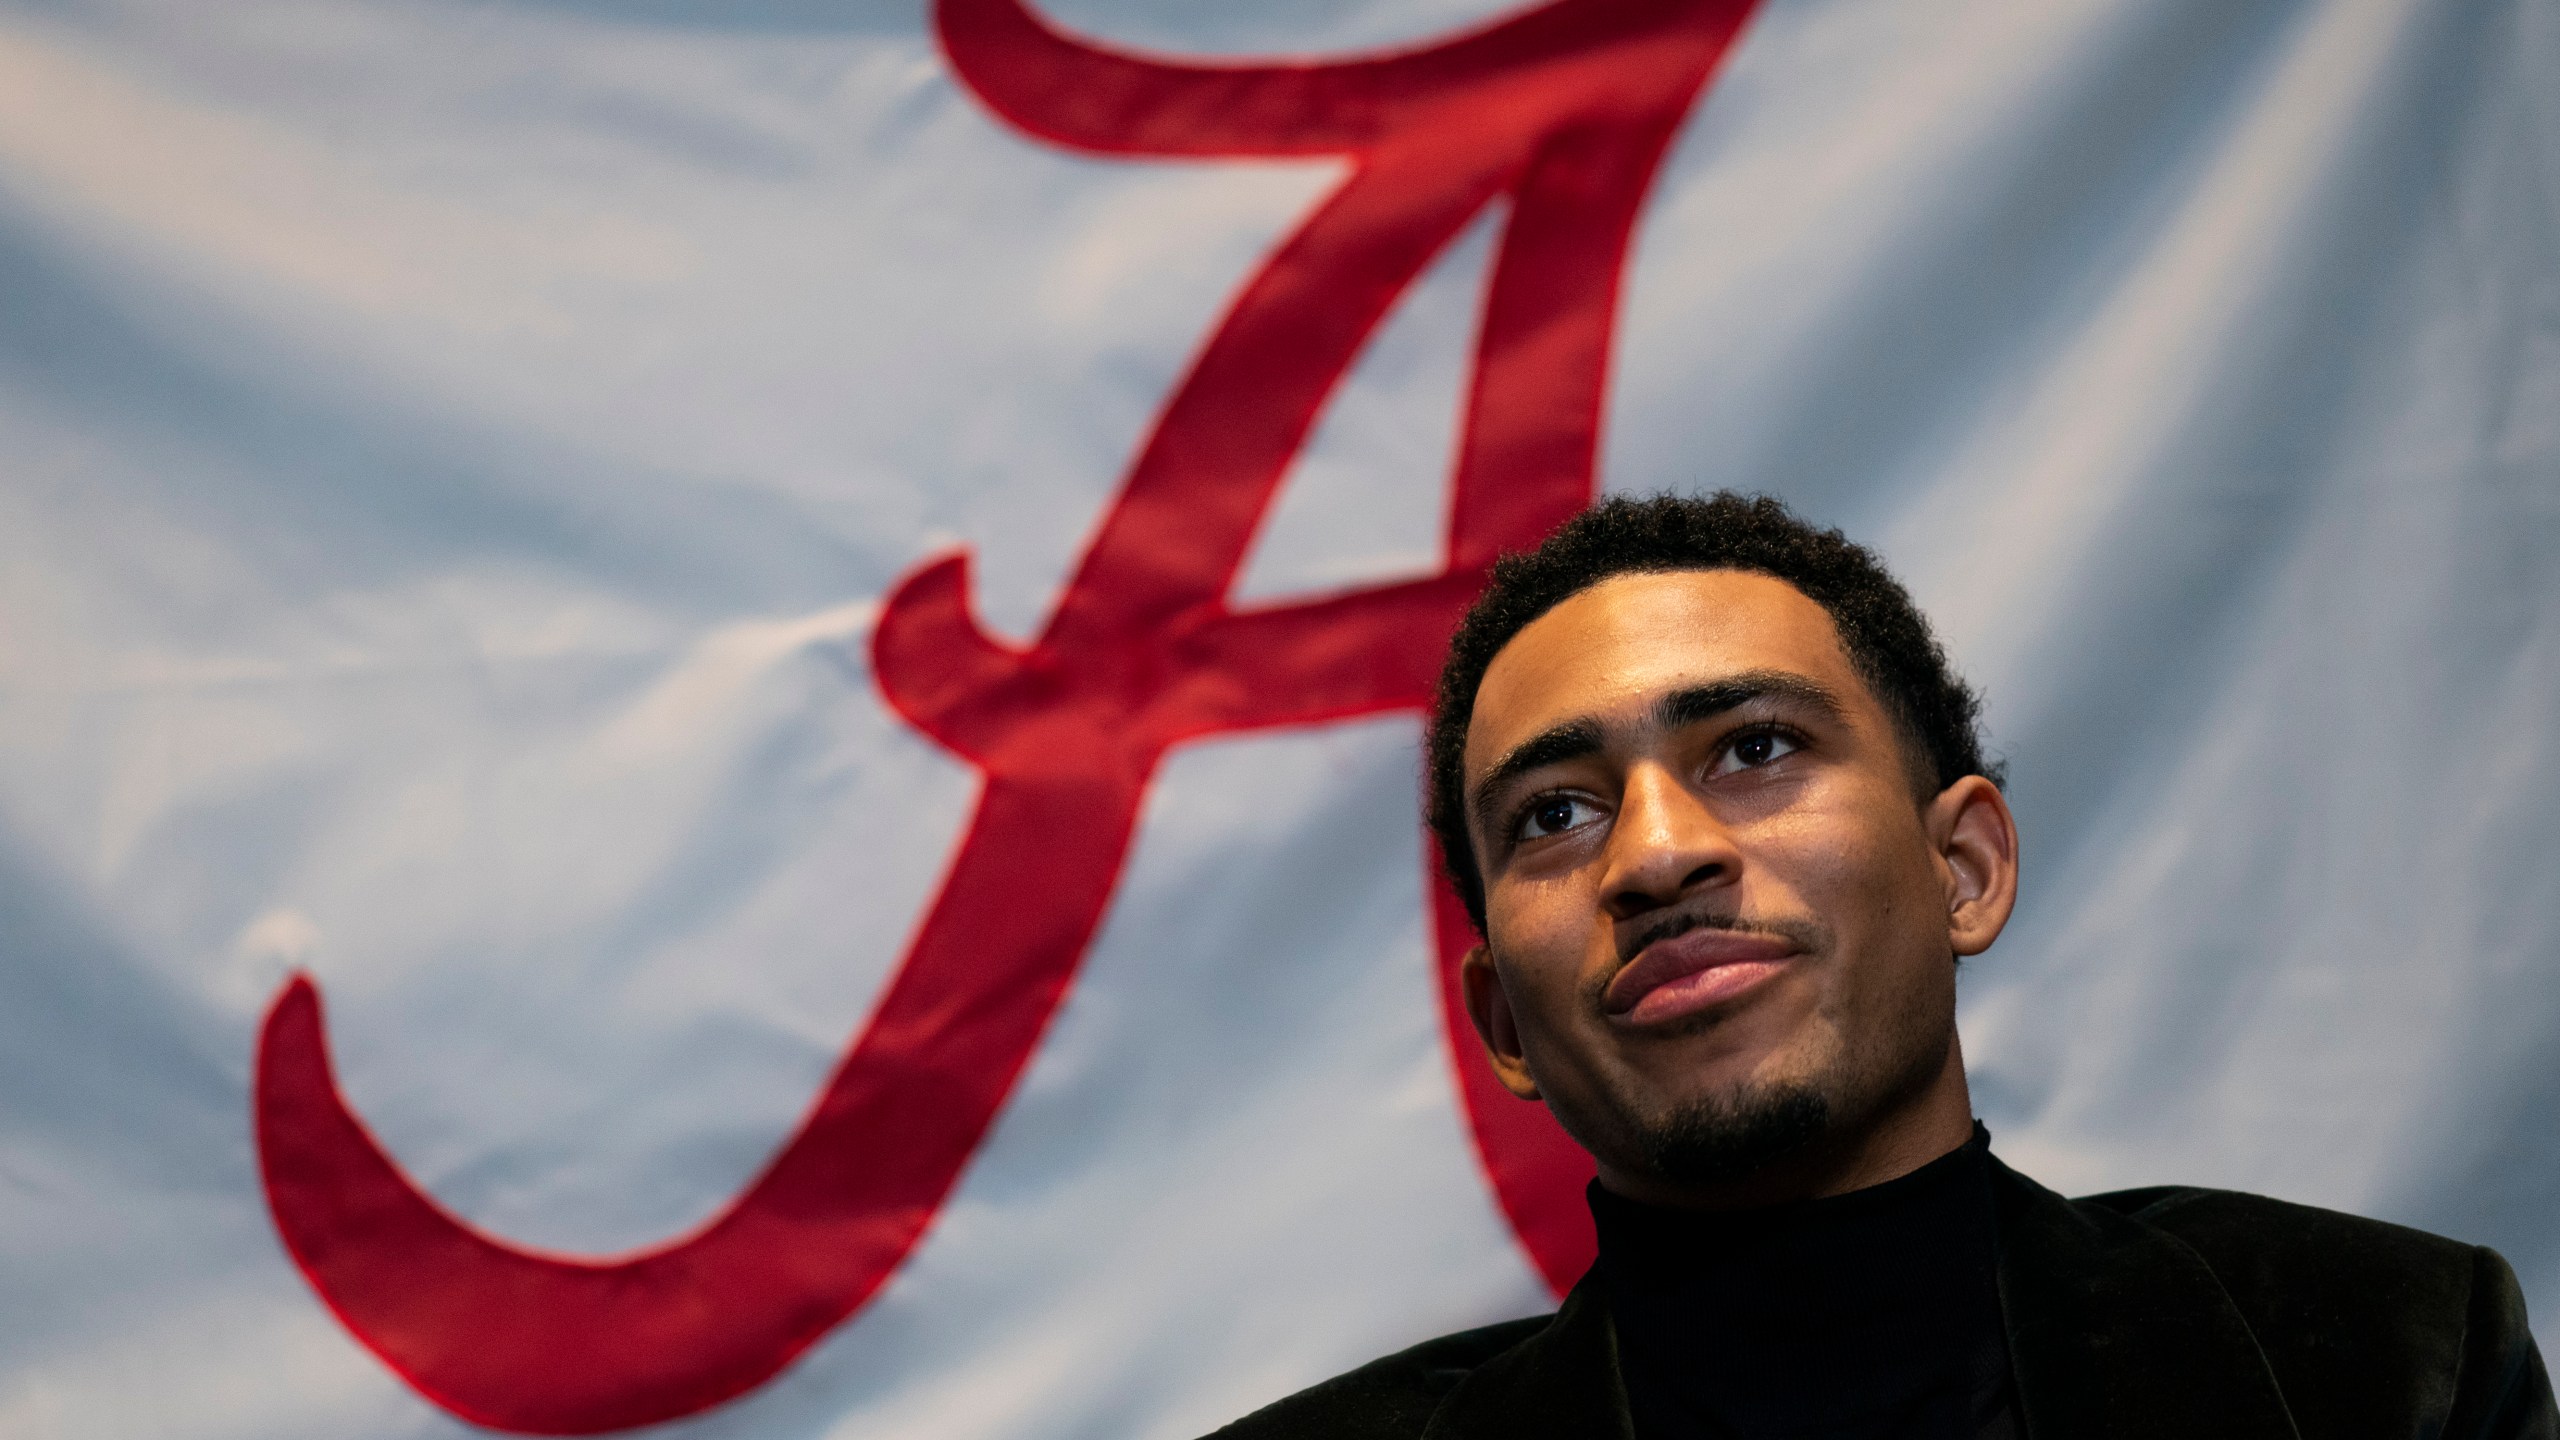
(455, 456)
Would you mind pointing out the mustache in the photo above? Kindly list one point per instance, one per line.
(1804, 935)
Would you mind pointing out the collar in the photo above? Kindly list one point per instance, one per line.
(1561, 1381)
(2117, 1331)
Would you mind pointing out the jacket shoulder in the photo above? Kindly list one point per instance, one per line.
(2252, 1241)
(1387, 1399)
(2361, 1319)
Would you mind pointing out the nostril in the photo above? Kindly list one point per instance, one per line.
(1628, 903)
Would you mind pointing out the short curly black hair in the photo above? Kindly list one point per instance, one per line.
(1887, 638)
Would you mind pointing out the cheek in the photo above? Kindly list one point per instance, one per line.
(1835, 866)
(1865, 880)
(1542, 931)
(1903, 968)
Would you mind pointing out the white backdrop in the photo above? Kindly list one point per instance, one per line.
(451, 452)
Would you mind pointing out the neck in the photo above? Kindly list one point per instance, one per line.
(1911, 1129)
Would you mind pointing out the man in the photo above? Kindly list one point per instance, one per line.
(1719, 809)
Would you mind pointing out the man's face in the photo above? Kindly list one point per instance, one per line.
(1711, 896)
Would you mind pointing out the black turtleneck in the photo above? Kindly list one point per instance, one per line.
(1871, 1314)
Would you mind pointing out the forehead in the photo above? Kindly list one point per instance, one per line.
(1614, 648)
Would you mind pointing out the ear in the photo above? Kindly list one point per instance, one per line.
(1490, 1009)
(1976, 840)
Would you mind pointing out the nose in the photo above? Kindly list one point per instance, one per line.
(1664, 847)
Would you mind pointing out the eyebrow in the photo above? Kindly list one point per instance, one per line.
(1688, 706)
(1705, 702)
(1569, 741)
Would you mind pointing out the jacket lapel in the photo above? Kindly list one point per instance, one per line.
(2119, 1331)
(1562, 1381)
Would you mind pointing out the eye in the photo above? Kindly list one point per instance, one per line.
(1752, 749)
(1553, 815)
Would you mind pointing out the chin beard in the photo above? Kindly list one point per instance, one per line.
(1714, 1142)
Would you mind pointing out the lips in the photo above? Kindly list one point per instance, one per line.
(1693, 971)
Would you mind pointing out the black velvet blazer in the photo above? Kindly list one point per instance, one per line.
(2141, 1315)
